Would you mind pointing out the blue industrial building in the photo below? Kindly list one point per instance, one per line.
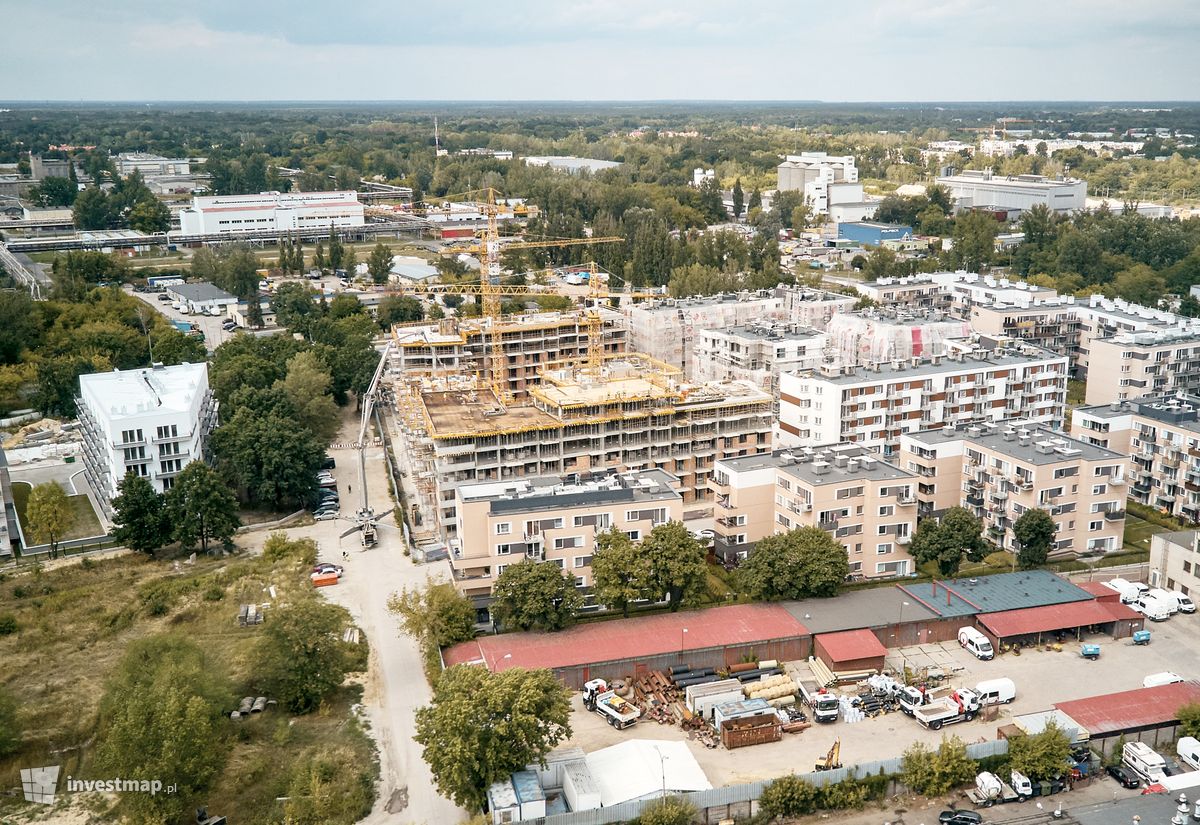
(870, 233)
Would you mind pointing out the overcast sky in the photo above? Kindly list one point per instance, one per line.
(600, 50)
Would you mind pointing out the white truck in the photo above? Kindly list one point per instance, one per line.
(825, 706)
(991, 790)
(961, 705)
(910, 697)
(615, 710)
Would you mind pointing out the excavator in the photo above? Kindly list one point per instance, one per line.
(832, 760)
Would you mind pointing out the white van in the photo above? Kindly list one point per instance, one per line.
(1130, 591)
(1151, 608)
(1168, 599)
(996, 691)
(976, 643)
(1186, 605)
(1189, 752)
(1164, 678)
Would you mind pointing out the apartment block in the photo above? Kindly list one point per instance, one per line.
(913, 292)
(893, 333)
(867, 504)
(1161, 434)
(758, 353)
(1144, 363)
(874, 405)
(1175, 562)
(636, 416)
(553, 520)
(531, 343)
(1000, 471)
(150, 422)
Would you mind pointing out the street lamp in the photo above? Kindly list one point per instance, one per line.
(900, 621)
(683, 641)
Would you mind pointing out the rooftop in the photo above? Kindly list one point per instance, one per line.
(765, 332)
(991, 594)
(838, 464)
(973, 176)
(128, 393)
(200, 291)
(856, 609)
(1179, 410)
(1021, 441)
(640, 768)
(635, 638)
(851, 645)
(552, 493)
(1131, 710)
(903, 370)
(1053, 617)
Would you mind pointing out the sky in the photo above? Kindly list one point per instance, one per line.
(851, 50)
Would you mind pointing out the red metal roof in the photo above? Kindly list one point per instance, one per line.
(851, 645)
(1131, 709)
(635, 638)
(1099, 590)
(1053, 617)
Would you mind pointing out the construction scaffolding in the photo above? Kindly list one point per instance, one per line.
(872, 336)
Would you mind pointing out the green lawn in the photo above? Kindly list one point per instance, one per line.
(1138, 532)
(86, 523)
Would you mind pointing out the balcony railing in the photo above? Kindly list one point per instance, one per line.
(1114, 515)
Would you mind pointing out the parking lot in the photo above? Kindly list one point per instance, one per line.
(1042, 678)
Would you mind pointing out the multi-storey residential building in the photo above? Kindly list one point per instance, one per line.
(1175, 562)
(759, 353)
(893, 333)
(1000, 471)
(912, 291)
(873, 405)
(667, 330)
(1162, 436)
(271, 212)
(1144, 363)
(865, 503)
(980, 189)
(553, 520)
(531, 343)
(635, 416)
(150, 422)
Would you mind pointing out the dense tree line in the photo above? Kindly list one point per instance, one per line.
(128, 204)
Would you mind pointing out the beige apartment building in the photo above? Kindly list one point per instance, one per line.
(1161, 434)
(1144, 363)
(911, 291)
(1000, 471)
(874, 405)
(554, 521)
(531, 343)
(1175, 562)
(867, 504)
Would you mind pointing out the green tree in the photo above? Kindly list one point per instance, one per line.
(790, 796)
(933, 773)
(677, 568)
(1189, 720)
(150, 215)
(670, 810)
(174, 347)
(481, 726)
(437, 612)
(161, 718)
(798, 564)
(379, 263)
(307, 385)
(880, 263)
(278, 547)
(620, 571)
(1041, 755)
(350, 262)
(10, 724)
(201, 508)
(19, 329)
(344, 305)
(50, 515)
(755, 201)
(140, 514)
(91, 209)
(336, 250)
(945, 541)
(533, 594)
(54, 192)
(302, 658)
(739, 199)
(974, 240)
(1034, 531)
(319, 257)
(398, 309)
(269, 458)
(293, 306)
(58, 382)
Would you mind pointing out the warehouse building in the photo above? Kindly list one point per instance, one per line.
(271, 212)
(869, 233)
(1149, 715)
(201, 296)
(980, 189)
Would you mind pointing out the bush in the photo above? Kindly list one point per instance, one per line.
(8, 624)
(214, 594)
(789, 796)
(671, 810)
(279, 547)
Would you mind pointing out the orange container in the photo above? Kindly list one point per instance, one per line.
(325, 580)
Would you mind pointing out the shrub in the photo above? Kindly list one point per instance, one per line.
(671, 810)
(8, 624)
(214, 594)
(279, 547)
(789, 796)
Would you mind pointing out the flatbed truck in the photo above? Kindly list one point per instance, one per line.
(961, 705)
(615, 710)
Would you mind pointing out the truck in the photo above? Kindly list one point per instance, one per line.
(911, 697)
(616, 711)
(961, 705)
(991, 790)
(825, 706)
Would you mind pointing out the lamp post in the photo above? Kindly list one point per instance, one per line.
(683, 642)
(900, 621)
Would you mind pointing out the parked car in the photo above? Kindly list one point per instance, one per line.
(1126, 778)
(328, 463)
(959, 818)
(326, 514)
(325, 568)
(164, 297)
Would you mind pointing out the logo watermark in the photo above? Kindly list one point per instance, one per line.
(41, 784)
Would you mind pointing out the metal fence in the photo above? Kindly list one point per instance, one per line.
(747, 793)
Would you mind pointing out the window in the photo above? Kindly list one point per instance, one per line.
(886, 510)
(564, 542)
(634, 535)
(503, 549)
(500, 568)
(1099, 490)
(1095, 525)
(583, 561)
(581, 581)
(896, 568)
(883, 549)
(558, 563)
(503, 528)
(783, 520)
(1187, 567)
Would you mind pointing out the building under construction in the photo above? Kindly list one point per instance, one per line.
(634, 414)
(531, 343)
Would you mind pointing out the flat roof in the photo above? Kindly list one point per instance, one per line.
(1052, 617)
(851, 645)
(634, 638)
(1062, 447)
(200, 291)
(1131, 710)
(991, 594)
(859, 609)
(526, 495)
(640, 768)
(152, 390)
(825, 461)
(946, 366)
(1175, 409)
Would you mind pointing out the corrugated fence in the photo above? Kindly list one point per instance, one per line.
(745, 795)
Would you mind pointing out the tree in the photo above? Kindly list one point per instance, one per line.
(933, 773)
(790, 796)
(481, 726)
(319, 257)
(54, 191)
(677, 568)
(161, 717)
(19, 329)
(302, 658)
(755, 201)
(379, 263)
(91, 209)
(344, 305)
(10, 724)
(328, 785)
(974, 240)
(945, 542)
(437, 612)
(398, 309)
(739, 199)
(278, 547)
(150, 215)
(881, 263)
(201, 508)
(669, 810)
(139, 511)
(269, 458)
(336, 250)
(620, 571)
(1034, 531)
(293, 306)
(533, 594)
(50, 515)
(350, 261)
(1041, 755)
(307, 386)
(1189, 720)
(795, 565)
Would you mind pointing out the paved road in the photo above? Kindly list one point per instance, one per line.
(210, 325)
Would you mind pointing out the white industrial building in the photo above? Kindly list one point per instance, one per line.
(814, 172)
(150, 166)
(271, 212)
(202, 297)
(152, 422)
(980, 189)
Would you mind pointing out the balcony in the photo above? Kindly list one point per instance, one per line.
(904, 540)
(1114, 515)
(828, 525)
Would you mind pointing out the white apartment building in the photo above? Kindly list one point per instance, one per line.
(874, 405)
(150, 166)
(151, 422)
(973, 189)
(890, 333)
(758, 353)
(271, 212)
(813, 173)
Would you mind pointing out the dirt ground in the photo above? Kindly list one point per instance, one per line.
(1042, 678)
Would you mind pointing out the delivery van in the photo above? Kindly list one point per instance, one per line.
(1189, 752)
(1158, 679)
(996, 691)
(975, 643)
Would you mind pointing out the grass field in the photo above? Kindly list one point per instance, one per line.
(1138, 532)
(86, 524)
(74, 625)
